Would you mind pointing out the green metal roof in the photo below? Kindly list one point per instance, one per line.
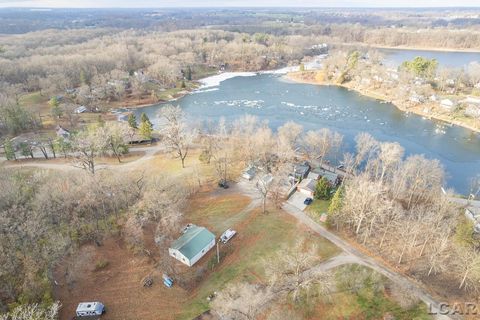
(193, 241)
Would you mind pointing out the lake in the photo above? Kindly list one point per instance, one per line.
(450, 59)
(271, 98)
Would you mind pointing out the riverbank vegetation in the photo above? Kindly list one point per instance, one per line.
(89, 71)
(421, 86)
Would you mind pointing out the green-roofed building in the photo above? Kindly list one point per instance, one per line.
(192, 245)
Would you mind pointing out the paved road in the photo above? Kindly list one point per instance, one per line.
(350, 254)
(358, 257)
(465, 202)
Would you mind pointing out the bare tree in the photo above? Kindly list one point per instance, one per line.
(390, 157)
(467, 266)
(242, 301)
(116, 135)
(292, 273)
(33, 311)
(317, 144)
(88, 145)
(263, 185)
(366, 147)
(176, 135)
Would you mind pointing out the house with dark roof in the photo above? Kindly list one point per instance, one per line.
(62, 132)
(192, 245)
(332, 177)
(301, 170)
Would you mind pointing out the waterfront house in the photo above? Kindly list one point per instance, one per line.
(448, 105)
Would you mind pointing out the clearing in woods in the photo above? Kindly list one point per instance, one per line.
(112, 273)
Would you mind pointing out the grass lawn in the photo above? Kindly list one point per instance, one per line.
(317, 208)
(370, 302)
(259, 237)
(33, 98)
(37, 104)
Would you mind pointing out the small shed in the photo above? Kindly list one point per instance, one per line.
(192, 245)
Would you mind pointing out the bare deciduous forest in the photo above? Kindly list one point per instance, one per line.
(389, 204)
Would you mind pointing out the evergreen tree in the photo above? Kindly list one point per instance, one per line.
(9, 150)
(83, 78)
(146, 130)
(323, 189)
(55, 107)
(189, 74)
(336, 203)
(144, 118)
(132, 121)
(26, 149)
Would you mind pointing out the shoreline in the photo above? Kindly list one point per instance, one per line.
(294, 76)
(409, 48)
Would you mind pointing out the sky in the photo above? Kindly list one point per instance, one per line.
(235, 3)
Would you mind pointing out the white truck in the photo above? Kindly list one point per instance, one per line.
(227, 235)
(86, 309)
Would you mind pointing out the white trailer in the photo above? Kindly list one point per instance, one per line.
(86, 309)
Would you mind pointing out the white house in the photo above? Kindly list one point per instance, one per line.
(416, 98)
(192, 245)
(448, 105)
(473, 111)
(472, 101)
(80, 109)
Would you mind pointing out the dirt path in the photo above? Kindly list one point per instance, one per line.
(355, 256)
(150, 152)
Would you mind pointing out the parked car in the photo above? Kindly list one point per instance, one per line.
(227, 235)
(223, 184)
(87, 309)
(308, 201)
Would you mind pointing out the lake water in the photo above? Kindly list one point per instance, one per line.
(270, 97)
(395, 57)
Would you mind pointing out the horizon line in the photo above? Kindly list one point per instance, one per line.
(250, 7)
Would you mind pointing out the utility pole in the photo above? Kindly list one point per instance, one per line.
(218, 252)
